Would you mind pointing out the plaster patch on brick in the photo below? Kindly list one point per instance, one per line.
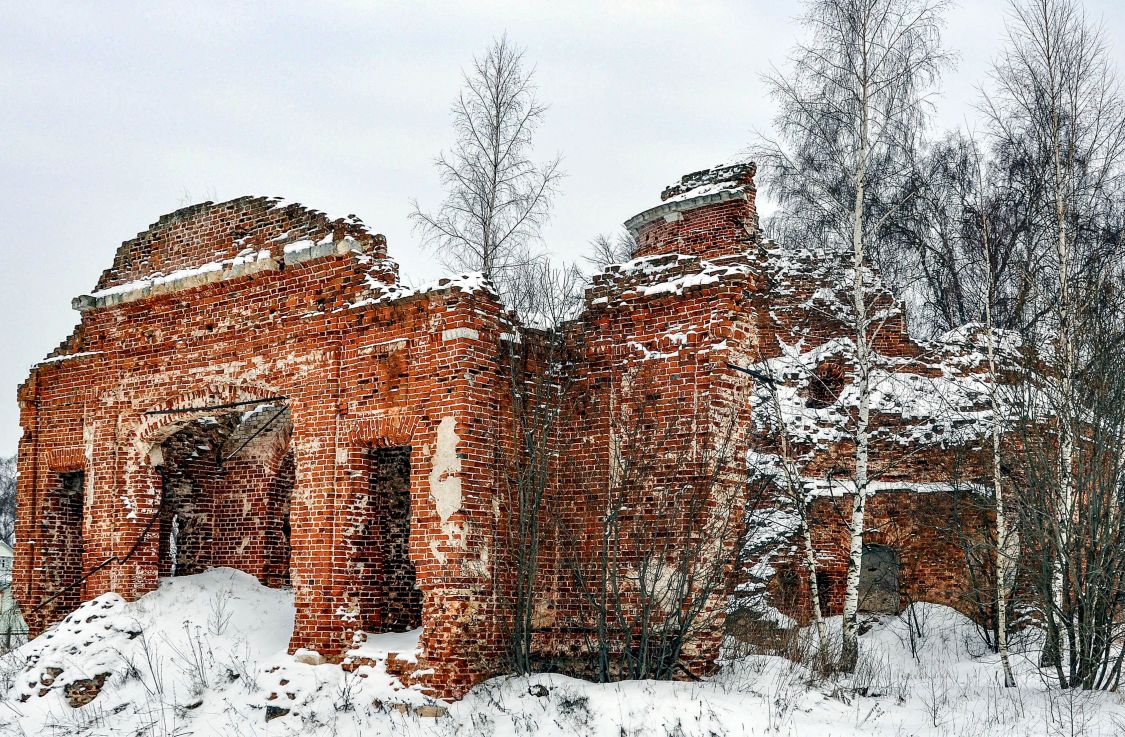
(445, 486)
(445, 481)
(479, 567)
(435, 548)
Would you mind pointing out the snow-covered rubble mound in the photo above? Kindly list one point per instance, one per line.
(201, 655)
(206, 655)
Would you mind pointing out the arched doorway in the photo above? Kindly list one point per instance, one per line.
(226, 481)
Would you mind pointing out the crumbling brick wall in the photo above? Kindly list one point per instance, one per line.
(291, 310)
(250, 386)
(929, 533)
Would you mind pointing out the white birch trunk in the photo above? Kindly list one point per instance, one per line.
(1066, 376)
(849, 651)
(1003, 548)
(814, 594)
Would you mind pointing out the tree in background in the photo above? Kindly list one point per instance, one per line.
(608, 249)
(496, 197)
(851, 111)
(1056, 103)
(933, 252)
(8, 499)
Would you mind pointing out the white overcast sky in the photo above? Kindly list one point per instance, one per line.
(112, 114)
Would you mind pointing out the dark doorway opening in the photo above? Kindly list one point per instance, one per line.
(63, 517)
(396, 601)
(878, 580)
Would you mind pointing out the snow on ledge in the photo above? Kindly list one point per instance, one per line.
(831, 487)
(381, 646)
(473, 281)
(704, 195)
(248, 261)
(68, 356)
(663, 273)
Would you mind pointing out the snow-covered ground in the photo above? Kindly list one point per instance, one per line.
(204, 654)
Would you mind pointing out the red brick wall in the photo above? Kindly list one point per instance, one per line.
(928, 531)
(419, 372)
(652, 390)
(383, 496)
(710, 232)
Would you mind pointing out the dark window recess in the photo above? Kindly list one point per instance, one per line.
(826, 385)
(878, 580)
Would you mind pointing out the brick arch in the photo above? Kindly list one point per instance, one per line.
(155, 424)
(384, 430)
(139, 433)
(67, 459)
(258, 476)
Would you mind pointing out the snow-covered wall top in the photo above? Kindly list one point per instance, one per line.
(195, 237)
(732, 176)
(707, 186)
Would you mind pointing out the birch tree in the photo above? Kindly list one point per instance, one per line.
(1006, 539)
(964, 226)
(850, 111)
(1055, 97)
(496, 197)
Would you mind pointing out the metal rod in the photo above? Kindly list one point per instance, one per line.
(215, 406)
(103, 564)
(257, 432)
(751, 372)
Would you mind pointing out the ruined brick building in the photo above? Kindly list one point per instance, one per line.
(250, 386)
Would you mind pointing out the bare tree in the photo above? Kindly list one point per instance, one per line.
(964, 226)
(851, 110)
(608, 249)
(1006, 542)
(548, 297)
(1055, 97)
(497, 198)
(1076, 563)
(8, 499)
(932, 253)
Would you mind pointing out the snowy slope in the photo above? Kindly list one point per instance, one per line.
(204, 654)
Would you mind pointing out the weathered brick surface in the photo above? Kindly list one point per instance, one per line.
(927, 532)
(292, 412)
(417, 373)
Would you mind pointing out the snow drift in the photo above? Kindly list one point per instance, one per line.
(206, 655)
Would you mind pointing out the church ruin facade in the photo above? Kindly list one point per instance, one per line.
(251, 386)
